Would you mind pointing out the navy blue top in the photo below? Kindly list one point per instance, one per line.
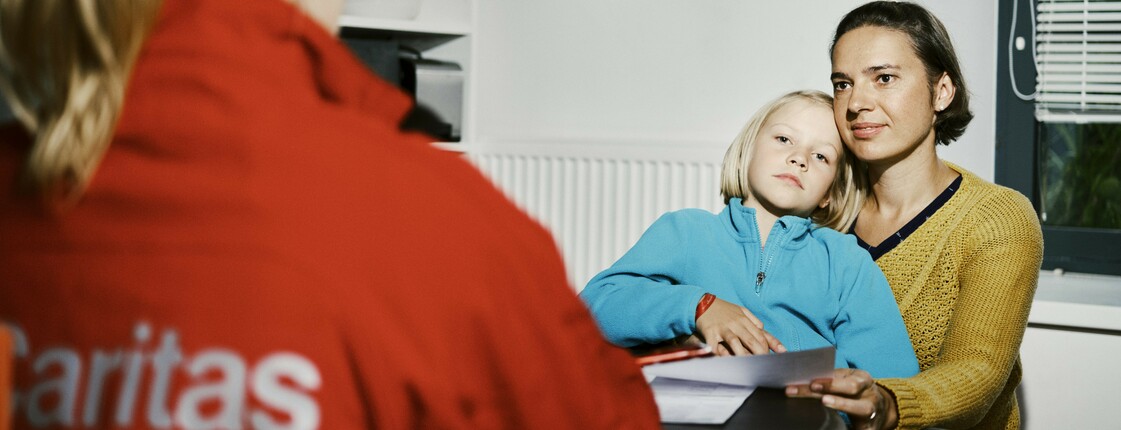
(894, 240)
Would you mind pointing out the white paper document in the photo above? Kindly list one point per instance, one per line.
(709, 390)
(770, 370)
(692, 402)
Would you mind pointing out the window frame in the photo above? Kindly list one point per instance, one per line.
(1074, 249)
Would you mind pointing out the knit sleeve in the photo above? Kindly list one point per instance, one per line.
(997, 280)
(640, 298)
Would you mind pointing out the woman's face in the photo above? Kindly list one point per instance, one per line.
(883, 103)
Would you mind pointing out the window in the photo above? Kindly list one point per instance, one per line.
(1059, 124)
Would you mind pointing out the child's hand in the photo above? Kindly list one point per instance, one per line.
(734, 330)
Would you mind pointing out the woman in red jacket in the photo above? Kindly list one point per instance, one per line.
(210, 219)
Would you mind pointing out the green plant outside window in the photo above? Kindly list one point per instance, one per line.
(1080, 174)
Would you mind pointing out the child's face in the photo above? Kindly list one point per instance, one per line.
(795, 160)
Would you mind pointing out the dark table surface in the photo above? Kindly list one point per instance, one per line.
(769, 408)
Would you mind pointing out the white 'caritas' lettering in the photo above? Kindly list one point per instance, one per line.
(281, 381)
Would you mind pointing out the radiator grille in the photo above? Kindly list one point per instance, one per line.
(597, 207)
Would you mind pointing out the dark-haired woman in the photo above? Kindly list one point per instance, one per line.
(961, 254)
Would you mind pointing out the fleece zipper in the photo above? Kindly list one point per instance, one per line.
(768, 254)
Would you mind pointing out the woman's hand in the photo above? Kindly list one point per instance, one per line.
(854, 392)
(734, 330)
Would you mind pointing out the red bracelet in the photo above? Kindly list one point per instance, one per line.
(702, 306)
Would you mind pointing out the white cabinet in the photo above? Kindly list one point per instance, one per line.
(1070, 353)
(436, 17)
(1070, 377)
(441, 30)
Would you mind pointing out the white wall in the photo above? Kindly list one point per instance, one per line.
(643, 69)
(972, 24)
(680, 71)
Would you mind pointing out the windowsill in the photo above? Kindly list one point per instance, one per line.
(1077, 300)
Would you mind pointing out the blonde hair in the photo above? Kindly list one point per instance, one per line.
(846, 195)
(64, 67)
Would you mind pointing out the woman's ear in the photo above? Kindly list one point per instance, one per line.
(943, 92)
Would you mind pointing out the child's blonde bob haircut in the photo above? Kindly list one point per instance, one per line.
(846, 196)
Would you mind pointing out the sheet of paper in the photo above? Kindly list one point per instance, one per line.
(694, 402)
(771, 370)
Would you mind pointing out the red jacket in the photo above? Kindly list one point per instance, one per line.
(261, 247)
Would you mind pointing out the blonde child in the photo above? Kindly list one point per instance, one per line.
(763, 274)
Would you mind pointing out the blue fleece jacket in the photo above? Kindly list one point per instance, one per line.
(818, 287)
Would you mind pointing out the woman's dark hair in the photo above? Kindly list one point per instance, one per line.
(932, 45)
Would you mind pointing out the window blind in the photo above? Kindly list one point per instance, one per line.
(1079, 61)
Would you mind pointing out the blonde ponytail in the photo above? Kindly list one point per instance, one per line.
(64, 67)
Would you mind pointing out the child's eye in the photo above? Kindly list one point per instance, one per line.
(821, 157)
(783, 139)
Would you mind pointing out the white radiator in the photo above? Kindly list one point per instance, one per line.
(598, 202)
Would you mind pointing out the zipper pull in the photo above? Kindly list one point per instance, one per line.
(759, 277)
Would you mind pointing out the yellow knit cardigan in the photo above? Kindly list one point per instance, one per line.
(964, 282)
